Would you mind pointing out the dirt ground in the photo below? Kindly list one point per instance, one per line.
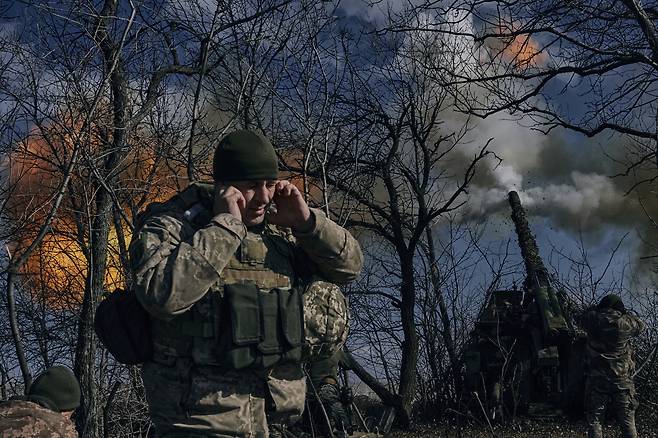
(522, 428)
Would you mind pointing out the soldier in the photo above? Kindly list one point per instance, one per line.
(330, 412)
(610, 365)
(328, 403)
(220, 268)
(47, 408)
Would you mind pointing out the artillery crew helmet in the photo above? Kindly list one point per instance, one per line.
(245, 156)
(326, 320)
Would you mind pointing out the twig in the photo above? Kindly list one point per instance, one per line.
(649, 358)
(486, 417)
(108, 406)
(324, 411)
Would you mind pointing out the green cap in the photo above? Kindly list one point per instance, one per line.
(245, 155)
(57, 388)
(612, 301)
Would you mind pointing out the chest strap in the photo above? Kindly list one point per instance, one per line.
(265, 279)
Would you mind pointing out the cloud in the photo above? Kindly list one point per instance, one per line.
(554, 174)
(370, 11)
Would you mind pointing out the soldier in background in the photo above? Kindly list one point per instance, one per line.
(328, 402)
(610, 365)
(214, 266)
(47, 408)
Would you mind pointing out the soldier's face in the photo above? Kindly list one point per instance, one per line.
(257, 195)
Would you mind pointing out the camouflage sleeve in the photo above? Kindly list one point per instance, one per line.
(633, 325)
(22, 418)
(335, 252)
(586, 320)
(175, 264)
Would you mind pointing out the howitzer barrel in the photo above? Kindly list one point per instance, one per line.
(537, 281)
(529, 251)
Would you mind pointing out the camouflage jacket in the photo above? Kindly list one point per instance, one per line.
(609, 334)
(22, 418)
(182, 252)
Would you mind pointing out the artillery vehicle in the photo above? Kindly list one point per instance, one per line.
(525, 355)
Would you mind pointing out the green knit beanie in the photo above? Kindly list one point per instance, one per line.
(245, 155)
(612, 301)
(57, 388)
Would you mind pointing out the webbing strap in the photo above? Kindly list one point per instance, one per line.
(196, 329)
(265, 279)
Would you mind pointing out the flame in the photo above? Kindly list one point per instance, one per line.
(57, 269)
(522, 51)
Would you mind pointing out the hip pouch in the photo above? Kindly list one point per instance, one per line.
(124, 328)
(261, 329)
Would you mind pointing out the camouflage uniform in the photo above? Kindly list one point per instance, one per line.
(182, 257)
(611, 368)
(324, 301)
(23, 418)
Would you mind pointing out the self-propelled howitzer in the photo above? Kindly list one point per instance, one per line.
(523, 355)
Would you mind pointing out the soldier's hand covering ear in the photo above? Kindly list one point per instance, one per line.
(229, 200)
(291, 208)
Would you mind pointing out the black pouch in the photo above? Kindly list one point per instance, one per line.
(124, 328)
(242, 324)
(292, 324)
(265, 328)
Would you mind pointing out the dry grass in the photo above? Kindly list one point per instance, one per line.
(647, 428)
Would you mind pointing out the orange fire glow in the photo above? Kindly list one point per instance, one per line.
(522, 51)
(57, 269)
(309, 185)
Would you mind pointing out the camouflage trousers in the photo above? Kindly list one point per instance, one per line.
(321, 369)
(189, 400)
(599, 393)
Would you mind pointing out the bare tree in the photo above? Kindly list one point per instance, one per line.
(389, 156)
(589, 67)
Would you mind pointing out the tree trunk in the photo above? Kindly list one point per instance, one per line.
(446, 333)
(348, 361)
(15, 331)
(407, 388)
(87, 415)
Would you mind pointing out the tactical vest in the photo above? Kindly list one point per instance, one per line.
(251, 318)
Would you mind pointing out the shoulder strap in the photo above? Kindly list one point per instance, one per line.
(302, 265)
(196, 194)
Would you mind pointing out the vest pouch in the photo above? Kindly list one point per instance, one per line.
(261, 329)
(292, 323)
(271, 346)
(243, 324)
(281, 312)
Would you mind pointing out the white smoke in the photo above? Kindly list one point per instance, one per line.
(574, 193)
(588, 201)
